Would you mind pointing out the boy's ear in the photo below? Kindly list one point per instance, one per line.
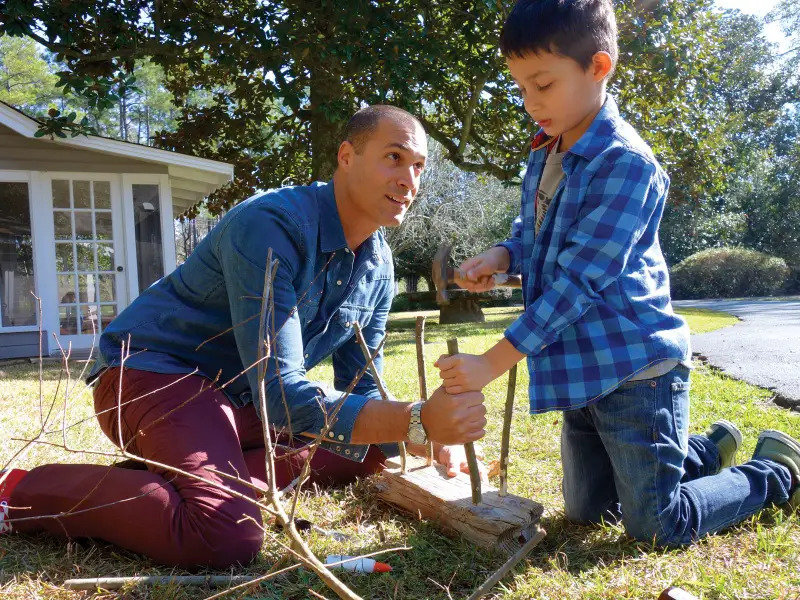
(602, 65)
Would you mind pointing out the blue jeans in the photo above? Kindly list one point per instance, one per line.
(630, 455)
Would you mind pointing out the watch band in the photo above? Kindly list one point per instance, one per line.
(416, 430)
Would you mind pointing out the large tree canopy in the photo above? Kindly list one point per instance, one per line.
(282, 77)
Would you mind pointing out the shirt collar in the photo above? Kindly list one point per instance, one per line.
(593, 140)
(331, 233)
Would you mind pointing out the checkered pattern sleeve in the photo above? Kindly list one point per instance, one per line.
(620, 200)
(514, 246)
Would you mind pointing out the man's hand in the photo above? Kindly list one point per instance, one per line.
(464, 372)
(454, 418)
(475, 274)
(455, 459)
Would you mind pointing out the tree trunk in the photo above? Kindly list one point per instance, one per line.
(325, 134)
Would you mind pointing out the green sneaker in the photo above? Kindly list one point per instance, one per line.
(727, 438)
(782, 448)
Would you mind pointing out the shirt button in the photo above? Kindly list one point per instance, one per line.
(338, 282)
(357, 454)
(347, 451)
(338, 448)
(305, 355)
(340, 437)
(347, 324)
(331, 434)
(347, 250)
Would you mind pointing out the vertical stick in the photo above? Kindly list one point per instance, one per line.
(378, 382)
(419, 336)
(469, 447)
(504, 442)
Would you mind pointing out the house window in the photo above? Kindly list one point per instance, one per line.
(86, 277)
(17, 303)
(147, 225)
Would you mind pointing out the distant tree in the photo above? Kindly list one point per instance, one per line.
(470, 211)
(25, 77)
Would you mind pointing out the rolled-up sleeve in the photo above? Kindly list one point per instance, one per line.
(295, 404)
(514, 246)
(620, 201)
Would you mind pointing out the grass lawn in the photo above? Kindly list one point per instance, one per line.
(759, 558)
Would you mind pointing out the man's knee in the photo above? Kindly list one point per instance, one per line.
(221, 549)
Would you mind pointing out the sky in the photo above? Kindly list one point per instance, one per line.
(759, 8)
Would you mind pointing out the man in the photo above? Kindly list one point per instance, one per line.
(189, 344)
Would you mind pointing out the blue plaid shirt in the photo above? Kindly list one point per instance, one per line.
(595, 283)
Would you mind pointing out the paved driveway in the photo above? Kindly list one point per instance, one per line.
(762, 349)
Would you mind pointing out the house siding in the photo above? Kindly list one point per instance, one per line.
(22, 344)
(18, 153)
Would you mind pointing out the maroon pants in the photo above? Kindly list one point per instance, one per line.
(174, 519)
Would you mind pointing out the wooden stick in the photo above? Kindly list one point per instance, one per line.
(506, 439)
(116, 583)
(469, 447)
(379, 382)
(419, 336)
(508, 565)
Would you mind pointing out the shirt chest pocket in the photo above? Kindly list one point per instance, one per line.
(348, 315)
(307, 309)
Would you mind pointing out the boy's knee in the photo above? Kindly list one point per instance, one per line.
(652, 532)
(590, 513)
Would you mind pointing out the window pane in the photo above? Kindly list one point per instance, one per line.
(102, 194)
(83, 225)
(66, 289)
(17, 304)
(107, 313)
(102, 223)
(62, 222)
(85, 256)
(86, 291)
(147, 219)
(80, 194)
(88, 318)
(60, 193)
(68, 317)
(64, 258)
(106, 286)
(105, 257)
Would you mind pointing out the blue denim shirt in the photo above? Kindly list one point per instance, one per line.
(205, 314)
(595, 283)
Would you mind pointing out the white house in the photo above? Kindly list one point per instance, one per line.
(86, 224)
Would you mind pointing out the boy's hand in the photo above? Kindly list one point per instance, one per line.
(475, 274)
(464, 372)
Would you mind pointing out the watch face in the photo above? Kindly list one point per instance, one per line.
(415, 436)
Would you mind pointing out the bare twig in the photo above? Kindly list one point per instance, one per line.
(508, 565)
(298, 544)
(378, 382)
(419, 338)
(506, 438)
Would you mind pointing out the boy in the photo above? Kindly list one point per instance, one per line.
(601, 339)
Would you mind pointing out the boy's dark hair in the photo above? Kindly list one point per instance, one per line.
(364, 123)
(577, 29)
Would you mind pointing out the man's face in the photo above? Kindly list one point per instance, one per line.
(558, 94)
(383, 179)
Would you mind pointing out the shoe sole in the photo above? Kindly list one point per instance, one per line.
(779, 436)
(732, 429)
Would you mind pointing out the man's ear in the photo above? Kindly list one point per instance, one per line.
(602, 65)
(345, 154)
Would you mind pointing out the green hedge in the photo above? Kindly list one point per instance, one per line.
(496, 297)
(728, 273)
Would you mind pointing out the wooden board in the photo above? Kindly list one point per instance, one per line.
(502, 523)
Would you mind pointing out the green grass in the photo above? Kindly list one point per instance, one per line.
(759, 558)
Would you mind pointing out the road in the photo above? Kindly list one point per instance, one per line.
(762, 349)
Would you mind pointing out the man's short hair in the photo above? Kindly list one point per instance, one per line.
(364, 123)
(576, 29)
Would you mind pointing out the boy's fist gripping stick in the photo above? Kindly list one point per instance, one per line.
(443, 275)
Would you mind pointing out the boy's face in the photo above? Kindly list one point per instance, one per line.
(558, 94)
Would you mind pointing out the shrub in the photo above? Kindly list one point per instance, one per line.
(728, 273)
